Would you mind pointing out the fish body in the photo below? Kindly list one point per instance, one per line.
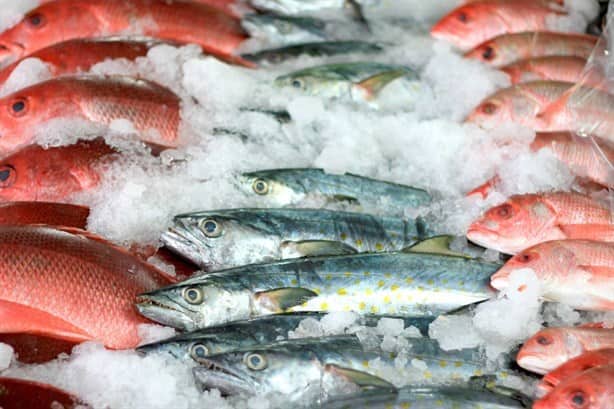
(593, 389)
(254, 332)
(287, 186)
(509, 48)
(178, 21)
(356, 81)
(552, 347)
(57, 214)
(54, 174)
(446, 397)
(298, 368)
(471, 24)
(285, 30)
(80, 55)
(553, 68)
(526, 220)
(579, 273)
(152, 109)
(574, 367)
(235, 8)
(317, 49)
(24, 394)
(71, 285)
(300, 7)
(400, 284)
(520, 103)
(229, 238)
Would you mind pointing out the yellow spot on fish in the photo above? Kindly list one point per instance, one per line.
(324, 306)
(367, 274)
(439, 402)
(394, 287)
(388, 275)
(329, 276)
(503, 374)
(389, 406)
(380, 283)
(405, 405)
(348, 274)
(294, 281)
(430, 282)
(374, 309)
(379, 246)
(369, 291)
(359, 242)
(409, 280)
(343, 236)
(458, 364)
(362, 306)
(420, 288)
(387, 300)
(357, 281)
(427, 375)
(317, 290)
(365, 364)
(477, 372)
(443, 364)
(342, 291)
(461, 283)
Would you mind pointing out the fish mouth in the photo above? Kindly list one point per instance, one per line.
(212, 375)
(179, 240)
(10, 52)
(499, 281)
(482, 236)
(160, 309)
(532, 364)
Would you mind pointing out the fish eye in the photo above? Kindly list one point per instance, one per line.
(578, 399)
(296, 83)
(193, 295)
(7, 176)
(488, 53)
(489, 108)
(255, 362)
(284, 27)
(527, 257)
(18, 107)
(260, 186)
(543, 340)
(36, 20)
(462, 17)
(504, 211)
(198, 351)
(211, 228)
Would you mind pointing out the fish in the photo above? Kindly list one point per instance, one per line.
(526, 220)
(282, 187)
(36, 349)
(193, 346)
(317, 49)
(25, 394)
(303, 367)
(220, 239)
(234, 8)
(593, 389)
(178, 21)
(71, 285)
(80, 55)
(355, 81)
(153, 110)
(54, 174)
(575, 366)
(520, 103)
(471, 24)
(553, 68)
(58, 214)
(443, 397)
(578, 273)
(423, 281)
(509, 48)
(552, 347)
(352, 8)
(584, 110)
(285, 30)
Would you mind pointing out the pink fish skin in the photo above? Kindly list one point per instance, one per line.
(578, 273)
(552, 347)
(525, 220)
(553, 68)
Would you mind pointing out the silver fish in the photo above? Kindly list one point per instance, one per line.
(282, 187)
(283, 30)
(317, 49)
(221, 239)
(302, 369)
(257, 331)
(356, 81)
(404, 284)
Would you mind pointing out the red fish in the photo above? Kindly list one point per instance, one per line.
(58, 214)
(80, 55)
(509, 48)
(520, 103)
(579, 273)
(592, 389)
(54, 174)
(178, 21)
(552, 347)
(152, 109)
(523, 221)
(24, 394)
(471, 24)
(35, 349)
(574, 367)
(566, 69)
(71, 285)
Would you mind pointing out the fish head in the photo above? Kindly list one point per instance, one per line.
(277, 190)
(311, 83)
(547, 350)
(467, 25)
(283, 30)
(588, 390)
(18, 177)
(196, 303)
(514, 225)
(214, 241)
(295, 7)
(508, 105)
(261, 370)
(491, 52)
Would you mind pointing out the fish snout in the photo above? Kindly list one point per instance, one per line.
(500, 280)
(531, 363)
(10, 52)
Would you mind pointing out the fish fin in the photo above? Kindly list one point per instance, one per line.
(36, 349)
(314, 248)
(358, 14)
(599, 232)
(360, 378)
(280, 299)
(19, 318)
(344, 198)
(374, 84)
(435, 245)
(597, 325)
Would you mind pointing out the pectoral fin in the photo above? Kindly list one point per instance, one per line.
(362, 379)
(435, 245)
(315, 248)
(281, 299)
(374, 84)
